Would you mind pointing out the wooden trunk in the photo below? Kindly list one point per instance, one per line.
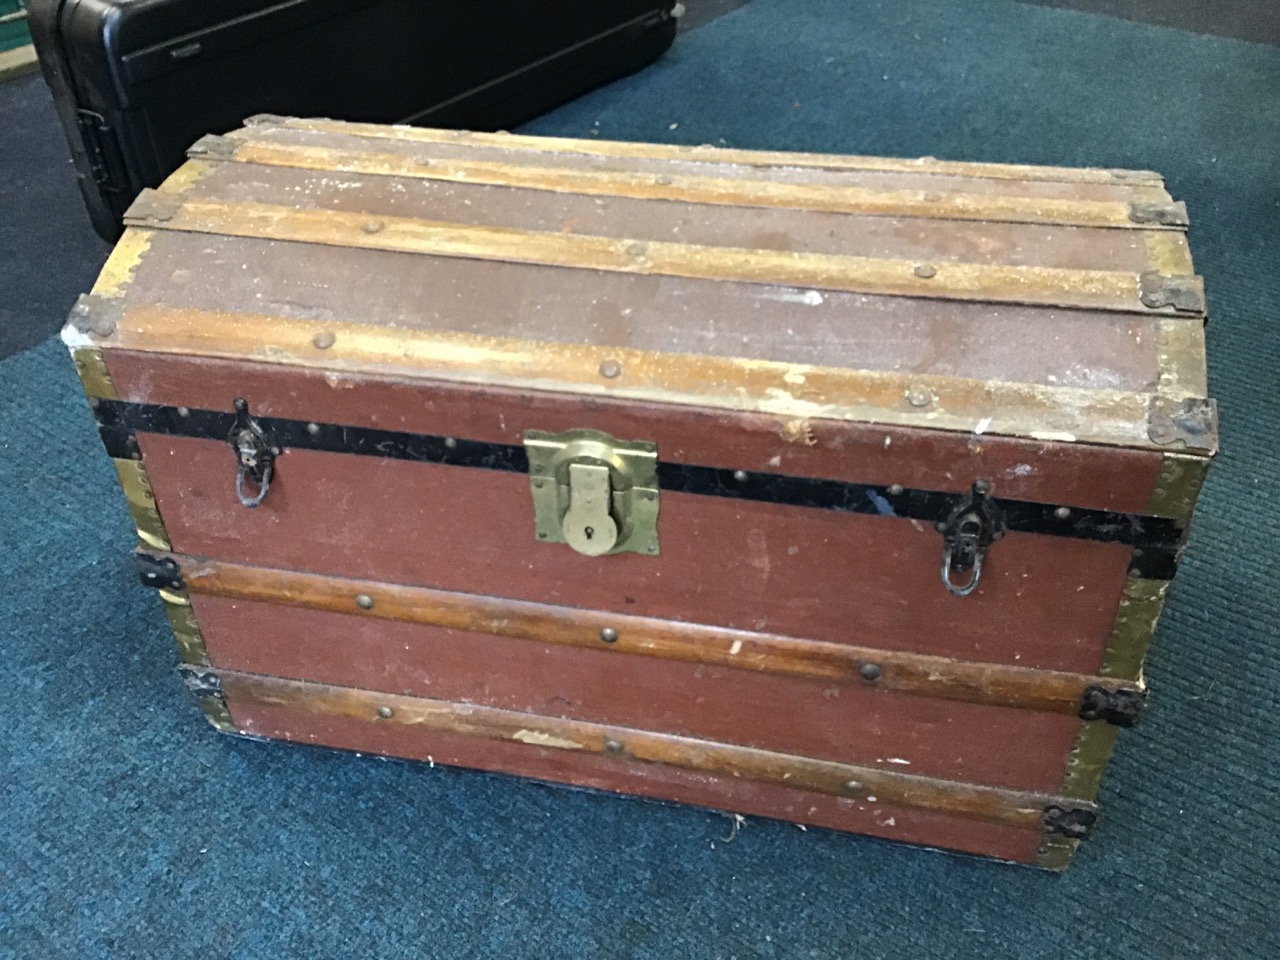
(842, 490)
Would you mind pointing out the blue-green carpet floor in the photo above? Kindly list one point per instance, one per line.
(128, 828)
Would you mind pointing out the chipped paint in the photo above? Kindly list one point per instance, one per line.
(540, 738)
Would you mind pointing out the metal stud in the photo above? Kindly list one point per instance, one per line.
(740, 476)
(450, 443)
(609, 635)
(386, 713)
(373, 226)
(184, 412)
(613, 746)
(869, 671)
(926, 271)
(853, 785)
(918, 396)
(364, 601)
(313, 429)
(324, 339)
(1062, 513)
(610, 369)
(896, 490)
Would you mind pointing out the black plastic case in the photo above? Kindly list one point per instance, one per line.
(136, 82)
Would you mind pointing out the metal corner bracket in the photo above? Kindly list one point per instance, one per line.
(206, 687)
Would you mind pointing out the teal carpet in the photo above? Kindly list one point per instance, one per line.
(129, 829)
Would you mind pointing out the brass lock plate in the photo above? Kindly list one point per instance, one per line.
(596, 494)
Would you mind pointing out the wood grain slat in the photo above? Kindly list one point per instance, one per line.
(626, 745)
(700, 190)
(709, 154)
(988, 283)
(1110, 417)
(931, 676)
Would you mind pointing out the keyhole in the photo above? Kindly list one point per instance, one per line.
(590, 532)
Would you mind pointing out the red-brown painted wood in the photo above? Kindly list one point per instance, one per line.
(1045, 602)
(1046, 472)
(647, 780)
(851, 723)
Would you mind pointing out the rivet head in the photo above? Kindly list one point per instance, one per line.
(896, 490)
(869, 671)
(324, 339)
(613, 746)
(1062, 513)
(103, 326)
(740, 476)
(373, 226)
(918, 396)
(610, 369)
(926, 271)
(364, 601)
(652, 548)
(853, 785)
(184, 412)
(609, 635)
(386, 713)
(313, 429)
(450, 443)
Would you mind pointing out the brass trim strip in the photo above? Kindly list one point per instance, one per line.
(865, 201)
(91, 366)
(1056, 852)
(1177, 486)
(709, 154)
(1139, 610)
(793, 391)
(1088, 759)
(142, 503)
(966, 681)
(177, 606)
(988, 283)
(215, 710)
(121, 265)
(1169, 253)
(1181, 350)
(971, 801)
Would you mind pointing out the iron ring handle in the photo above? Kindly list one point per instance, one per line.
(263, 486)
(961, 590)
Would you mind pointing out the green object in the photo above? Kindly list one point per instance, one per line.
(13, 25)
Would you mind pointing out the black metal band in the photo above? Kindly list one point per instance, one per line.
(1157, 541)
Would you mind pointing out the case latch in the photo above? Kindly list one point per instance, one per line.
(255, 456)
(973, 526)
(596, 494)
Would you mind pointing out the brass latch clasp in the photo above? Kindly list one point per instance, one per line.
(597, 494)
